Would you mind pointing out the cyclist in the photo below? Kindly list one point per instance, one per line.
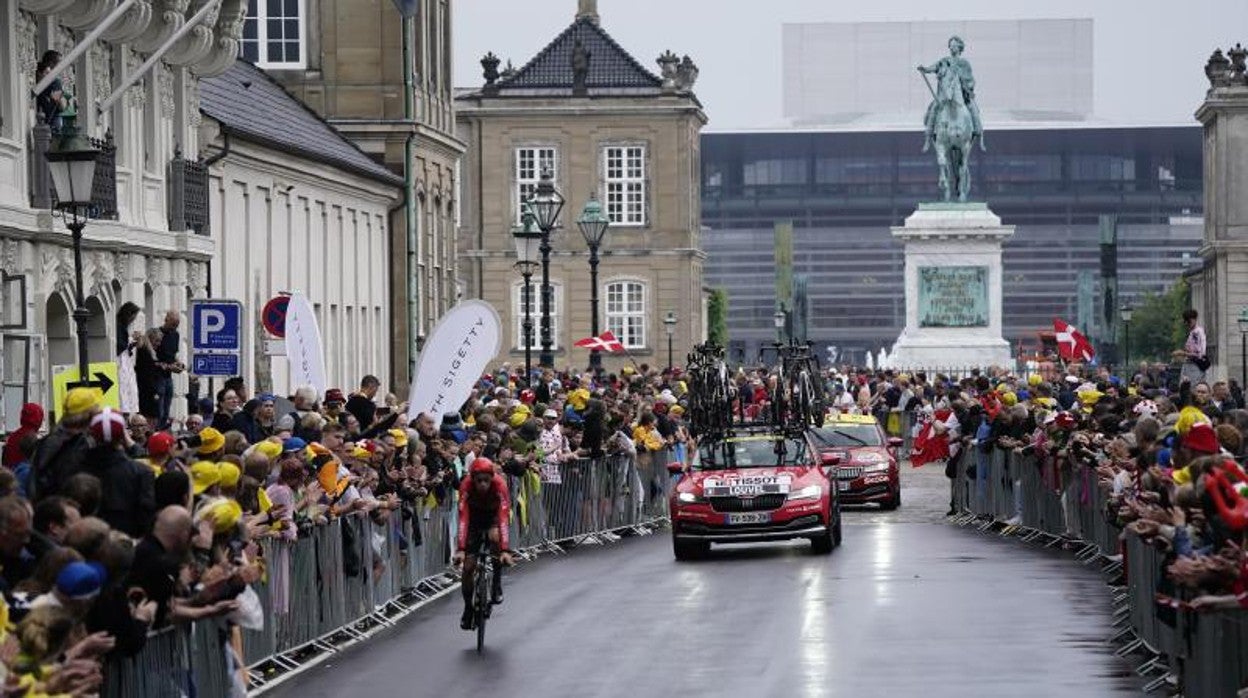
(484, 508)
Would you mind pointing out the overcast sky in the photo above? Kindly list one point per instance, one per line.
(1148, 61)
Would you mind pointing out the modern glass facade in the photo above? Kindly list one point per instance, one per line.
(843, 190)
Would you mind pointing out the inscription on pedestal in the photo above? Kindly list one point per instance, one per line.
(953, 296)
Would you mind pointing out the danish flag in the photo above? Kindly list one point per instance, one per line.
(1071, 344)
(603, 342)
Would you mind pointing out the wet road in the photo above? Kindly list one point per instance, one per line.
(901, 609)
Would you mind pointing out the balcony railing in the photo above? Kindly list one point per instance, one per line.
(188, 194)
(103, 187)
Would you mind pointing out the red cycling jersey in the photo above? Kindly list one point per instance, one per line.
(483, 511)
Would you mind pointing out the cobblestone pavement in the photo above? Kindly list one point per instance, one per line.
(924, 499)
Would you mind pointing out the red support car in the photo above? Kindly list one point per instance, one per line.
(867, 468)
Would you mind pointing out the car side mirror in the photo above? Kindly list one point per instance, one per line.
(676, 467)
(894, 442)
(830, 459)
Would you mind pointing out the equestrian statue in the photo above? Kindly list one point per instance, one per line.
(952, 122)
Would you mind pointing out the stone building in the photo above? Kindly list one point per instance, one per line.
(1220, 287)
(297, 206)
(385, 82)
(146, 241)
(602, 124)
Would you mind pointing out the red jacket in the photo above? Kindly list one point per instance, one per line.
(494, 506)
(32, 417)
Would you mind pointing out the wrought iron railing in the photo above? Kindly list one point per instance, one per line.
(188, 194)
(103, 187)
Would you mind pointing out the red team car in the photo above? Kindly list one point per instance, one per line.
(867, 460)
(755, 487)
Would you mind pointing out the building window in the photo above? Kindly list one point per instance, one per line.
(531, 161)
(625, 178)
(535, 310)
(626, 312)
(273, 33)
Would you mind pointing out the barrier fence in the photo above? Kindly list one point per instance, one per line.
(341, 580)
(1203, 654)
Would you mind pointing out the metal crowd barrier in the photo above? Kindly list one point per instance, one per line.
(1206, 651)
(312, 600)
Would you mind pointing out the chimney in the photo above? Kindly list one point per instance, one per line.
(587, 9)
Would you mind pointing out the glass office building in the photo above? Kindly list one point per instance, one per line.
(842, 190)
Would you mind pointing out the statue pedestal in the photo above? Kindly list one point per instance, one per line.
(953, 288)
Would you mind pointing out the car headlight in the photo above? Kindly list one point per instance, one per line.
(807, 492)
(875, 468)
(688, 498)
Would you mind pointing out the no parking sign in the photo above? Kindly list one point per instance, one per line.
(273, 316)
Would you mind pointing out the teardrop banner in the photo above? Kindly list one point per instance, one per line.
(303, 345)
(457, 352)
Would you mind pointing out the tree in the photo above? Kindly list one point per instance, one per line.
(1157, 324)
(717, 317)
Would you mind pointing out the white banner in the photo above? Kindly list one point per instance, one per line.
(303, 345)
(457, 352)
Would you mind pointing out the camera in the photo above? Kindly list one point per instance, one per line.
(190, 441)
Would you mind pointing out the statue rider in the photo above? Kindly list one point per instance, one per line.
(962, 67)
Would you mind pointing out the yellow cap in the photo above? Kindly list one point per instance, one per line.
(1034, 379)
(223, 513)
(210, 441)
(400, 437)
(228, 474)
(204, 474)
(1009, 399)
(1187, 417)
(1181, 476)
(578, 398)
(271, 449)
(81, 400)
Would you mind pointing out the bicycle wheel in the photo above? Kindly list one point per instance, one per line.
(481, 598)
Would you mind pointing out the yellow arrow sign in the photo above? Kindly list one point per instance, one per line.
(103, 375)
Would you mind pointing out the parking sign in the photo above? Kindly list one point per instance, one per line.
(216, 337)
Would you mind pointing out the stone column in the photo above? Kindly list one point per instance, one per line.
(1224, 278)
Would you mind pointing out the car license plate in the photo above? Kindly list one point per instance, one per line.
(749, 517)
(842, 486)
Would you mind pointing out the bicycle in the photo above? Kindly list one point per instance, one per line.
(481, 585)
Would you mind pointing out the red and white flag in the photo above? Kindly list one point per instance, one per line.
(603, 342)
(1071, 344)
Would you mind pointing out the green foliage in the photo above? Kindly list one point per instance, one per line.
(1157, 325)
(717, 317)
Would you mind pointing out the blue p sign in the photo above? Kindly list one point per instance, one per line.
(216, 325)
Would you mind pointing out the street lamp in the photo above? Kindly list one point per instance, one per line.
(546, 203)
(1125, 312)
(669, 326)
(528, 241)
(779, 320)
(71, 162)
(1243, 348)
(593, 224)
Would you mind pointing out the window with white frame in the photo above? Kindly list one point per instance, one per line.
(624, 175)
(273, 32)
(626, 312)
(531, 160)
(535, 311)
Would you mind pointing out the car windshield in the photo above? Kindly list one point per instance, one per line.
(848, 436)
(754, 453)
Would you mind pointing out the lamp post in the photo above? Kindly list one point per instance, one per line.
(546, 204)
(71, 162)
(593, 224)
(1243, 348)
(669, 326)
(779, 320)
(528, 239)
(1125, 312)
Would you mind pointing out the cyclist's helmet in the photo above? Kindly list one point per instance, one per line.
(481, 465)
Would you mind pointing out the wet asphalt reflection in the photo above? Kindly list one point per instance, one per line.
(908, 606)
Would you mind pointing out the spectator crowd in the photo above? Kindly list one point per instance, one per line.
(112, 528)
